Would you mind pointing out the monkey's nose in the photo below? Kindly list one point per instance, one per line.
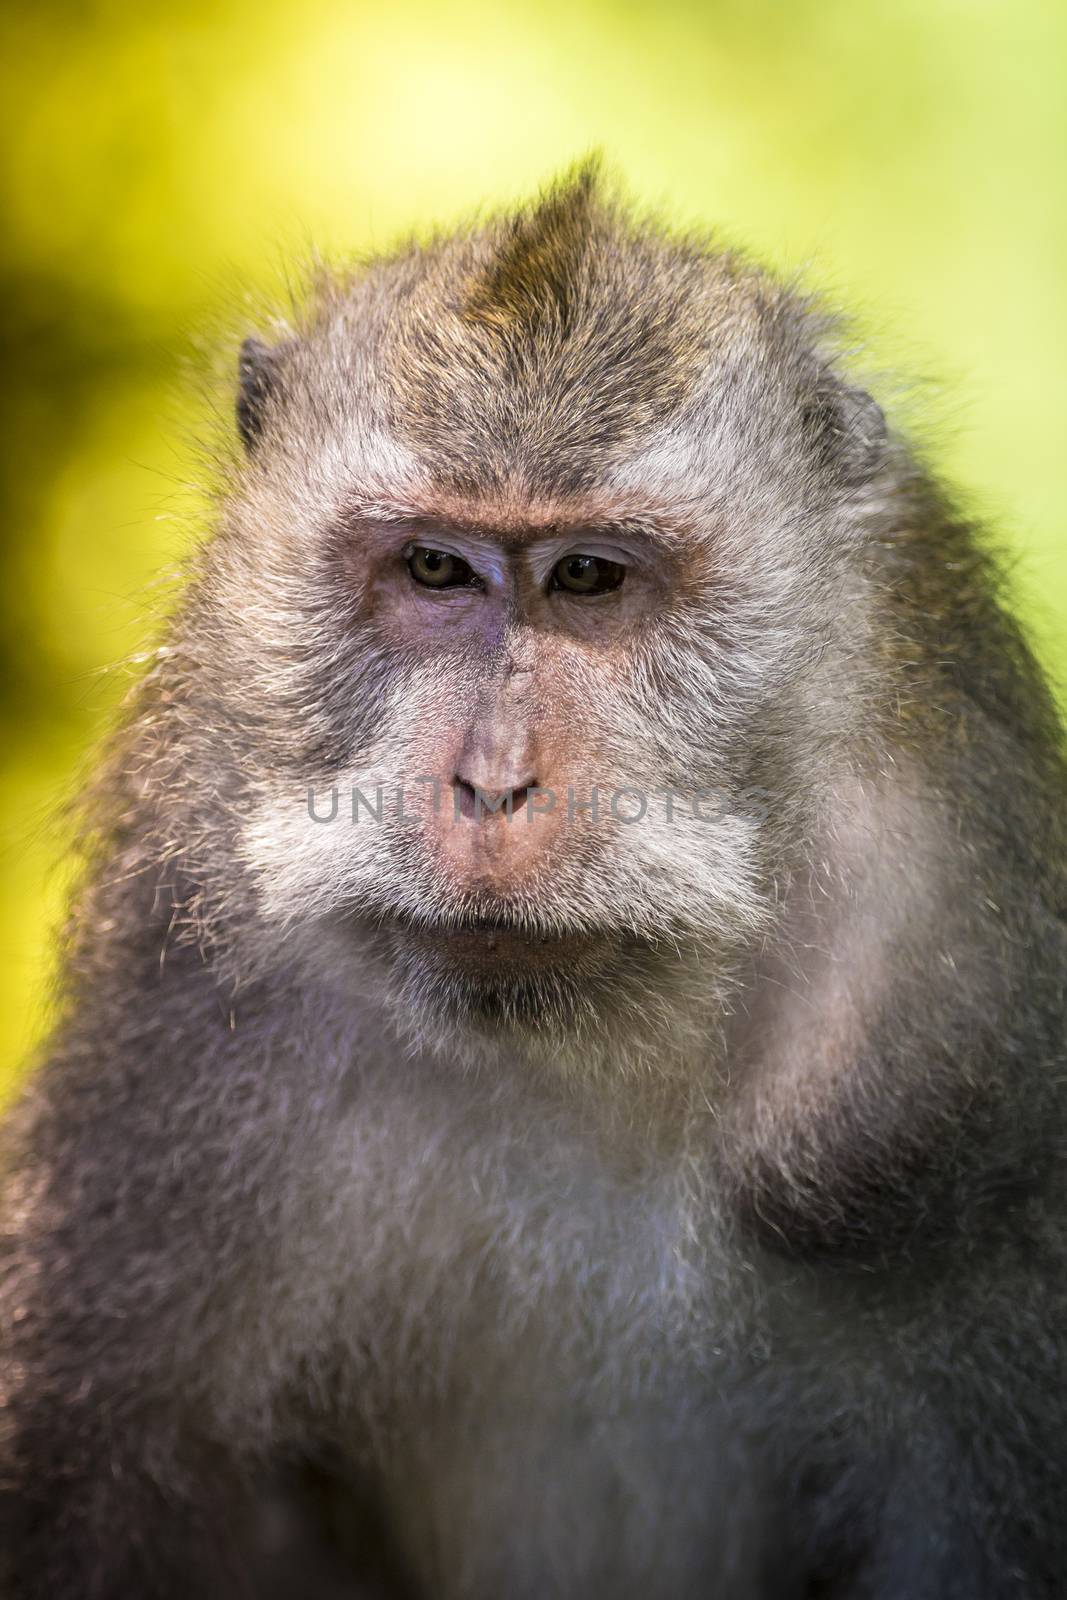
(477, 800)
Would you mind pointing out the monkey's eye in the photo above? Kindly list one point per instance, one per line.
(587, 575)
(437, 569)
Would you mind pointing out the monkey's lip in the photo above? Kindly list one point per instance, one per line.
(490, 940)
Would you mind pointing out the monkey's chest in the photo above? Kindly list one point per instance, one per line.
(531, 1491)
(544, 1371)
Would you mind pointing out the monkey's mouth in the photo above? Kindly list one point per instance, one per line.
(488, 941)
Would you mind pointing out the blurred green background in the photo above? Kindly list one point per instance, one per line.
(160, 165)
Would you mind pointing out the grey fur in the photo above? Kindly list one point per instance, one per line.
(732, 1267)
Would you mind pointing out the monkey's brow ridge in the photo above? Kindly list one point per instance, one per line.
(511, 526)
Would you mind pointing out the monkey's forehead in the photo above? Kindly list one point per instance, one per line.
(553, 343)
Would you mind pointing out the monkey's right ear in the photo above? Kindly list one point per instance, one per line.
(258, 366)
(848, 429)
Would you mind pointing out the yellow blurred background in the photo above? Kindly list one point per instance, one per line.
(160, 165)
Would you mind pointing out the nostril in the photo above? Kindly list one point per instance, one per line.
(466, 798)
(472, 800)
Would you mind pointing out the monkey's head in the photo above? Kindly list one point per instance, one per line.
(542, 544)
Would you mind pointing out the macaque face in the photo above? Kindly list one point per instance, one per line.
(516, 639)
(531, 802)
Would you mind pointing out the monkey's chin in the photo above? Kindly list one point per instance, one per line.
(552, 1004)
(494, 978)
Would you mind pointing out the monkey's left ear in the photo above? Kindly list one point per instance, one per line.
(848, 429)
(258, 367)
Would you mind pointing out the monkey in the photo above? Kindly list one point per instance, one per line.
(557, 1086)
